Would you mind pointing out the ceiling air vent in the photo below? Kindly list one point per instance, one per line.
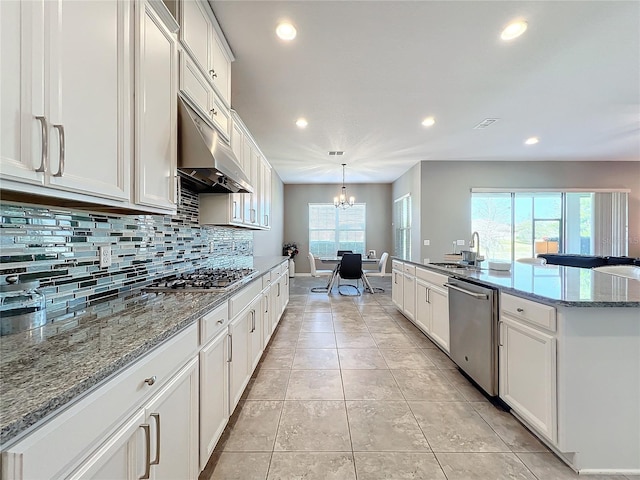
(487, 122)
(336, 153)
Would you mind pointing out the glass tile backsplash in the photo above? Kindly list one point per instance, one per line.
(59, 247)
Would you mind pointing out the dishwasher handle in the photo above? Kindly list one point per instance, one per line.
(479, 296)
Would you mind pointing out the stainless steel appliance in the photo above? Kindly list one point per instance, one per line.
(473, 332)
(204, 280)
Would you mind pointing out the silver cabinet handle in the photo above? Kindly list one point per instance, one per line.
(179, 189)
(479, 296)
(150, 381)
(253, 321)
(266, 310)
(60, 129)
(156, 416)
(278, 289)
(500, 344)
(44, 155)
(235, 209)
(213, 111)
(213, 74)
(266, 220)
(426, 295)
(520, 310)
(147, 442)
(220, 322)
(230, 337)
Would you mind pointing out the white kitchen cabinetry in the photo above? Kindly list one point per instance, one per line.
(265, 194)
(432, 306)
(527, 354)
(66, 128)
(221, 209)
(397, 283)
(156, 62)
(201, 36)
(409, 291)
(239, 373)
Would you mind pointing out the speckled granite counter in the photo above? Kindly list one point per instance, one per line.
(47, 368)
(554, 284)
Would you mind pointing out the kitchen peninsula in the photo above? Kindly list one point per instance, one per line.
(568, 348)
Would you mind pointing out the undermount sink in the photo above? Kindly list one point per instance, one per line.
(450, 265)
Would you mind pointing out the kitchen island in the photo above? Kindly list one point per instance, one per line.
(47, 372)
(568, 342)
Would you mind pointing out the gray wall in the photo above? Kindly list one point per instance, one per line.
(445, 207)
(410, 183)
(269, 242)
(379, 234)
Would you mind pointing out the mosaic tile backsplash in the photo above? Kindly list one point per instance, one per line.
(59, 247)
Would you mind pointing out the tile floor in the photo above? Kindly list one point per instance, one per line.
(349, 389)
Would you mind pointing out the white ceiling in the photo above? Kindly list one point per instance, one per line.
(366, 73)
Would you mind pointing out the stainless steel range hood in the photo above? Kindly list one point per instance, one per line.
(205, 162)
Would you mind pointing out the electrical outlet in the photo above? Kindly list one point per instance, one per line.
(211, 246)
(427, 243)
(427, 260)
(105, 255)
(460, 242)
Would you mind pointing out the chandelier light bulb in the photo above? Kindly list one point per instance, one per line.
(341, 200)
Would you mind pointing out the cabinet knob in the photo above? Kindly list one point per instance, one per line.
(213, 111)
(213, 74)
(150, 381)
(520, 310)
(220, 322)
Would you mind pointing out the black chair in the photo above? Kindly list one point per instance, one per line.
(342, 252)
(350, 269)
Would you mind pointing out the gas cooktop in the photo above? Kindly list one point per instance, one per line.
(204, 280)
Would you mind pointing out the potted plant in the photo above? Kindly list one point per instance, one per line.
(290, 250)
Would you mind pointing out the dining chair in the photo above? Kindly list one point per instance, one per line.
(532, 260)
(342, 252)
(314, 271)
(380, 271)
(350, 269)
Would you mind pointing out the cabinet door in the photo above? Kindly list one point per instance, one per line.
(528, 375)
(239, 373)
(285, 292)
(221, 75)
(90, 97)
(196, 32)
(173, 418)
(423, 307)
(121, 456)
(265, 196)
(439, 302)
(267, 315)
(22, 149)
(214, 394)
(156, 63)
(256, 334)
(397, 295)
(409, 296)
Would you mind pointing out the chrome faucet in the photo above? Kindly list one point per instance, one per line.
(475, 242)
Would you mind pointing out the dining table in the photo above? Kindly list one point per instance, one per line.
(335, 261)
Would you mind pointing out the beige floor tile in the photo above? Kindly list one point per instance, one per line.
(547, 465)
(350, 326)
(510, 430)
(284, 340)
(315, 385)
(406, 358)
(420, 340)
(311, 466)
(316, 340)
(386, 326)
(392, 340)
(384, 426)
(397, 466)
(482, 466)
(354, 340)
(277, 358)
(237, 466)
(267, 385)
(370, 385)
(439, 359)
(252, 427)
(317, 326)
(456, 427)
(313, 425)
(361, 358)
(427, 384)
(316, 359)
(317, 317)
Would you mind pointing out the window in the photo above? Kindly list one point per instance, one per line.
(332, 229)
(402, 222)
(513, 225)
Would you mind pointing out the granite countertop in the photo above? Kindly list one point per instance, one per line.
(554, 284)
(47, 368)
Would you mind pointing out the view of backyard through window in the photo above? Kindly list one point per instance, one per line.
(332, 229)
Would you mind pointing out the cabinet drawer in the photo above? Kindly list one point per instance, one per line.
(532, 312)
(396, 265)
(409, 269)
(214, 322)
(243, 298)
(61, 443)
(431, 277)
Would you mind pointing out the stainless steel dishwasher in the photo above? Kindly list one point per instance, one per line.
(473, 329)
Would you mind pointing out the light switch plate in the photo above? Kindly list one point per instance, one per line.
(460, 242)
(105, 255)
(427, 243)
(211, 246)
(427, 260)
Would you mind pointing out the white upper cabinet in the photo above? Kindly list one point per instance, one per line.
(156, 63)
(67, 126)
(202, 38)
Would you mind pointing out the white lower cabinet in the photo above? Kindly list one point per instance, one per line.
(239, 372)
(256, 335)
(214, 393)
(439, 303)
(528, 375)
(397, 284)
(432, 307)
(409, 296)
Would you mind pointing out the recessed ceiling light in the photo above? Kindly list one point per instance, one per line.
(286, 31)
(514, 30)
(302, 123)
(429, 121)
(531, 141)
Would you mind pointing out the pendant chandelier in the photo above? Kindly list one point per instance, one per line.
(341, 200)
